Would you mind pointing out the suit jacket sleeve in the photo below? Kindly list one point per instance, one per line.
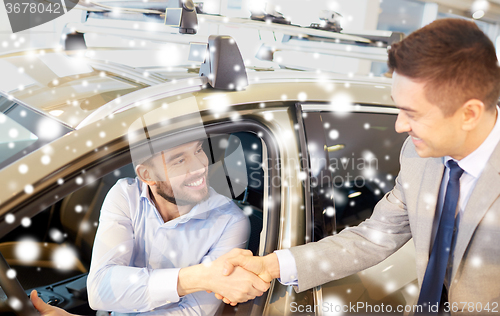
(356, 248)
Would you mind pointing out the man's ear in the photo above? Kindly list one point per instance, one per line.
(145, 174)
(472, 112)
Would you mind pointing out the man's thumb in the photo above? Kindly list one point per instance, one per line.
(228, 268)
(39, 304)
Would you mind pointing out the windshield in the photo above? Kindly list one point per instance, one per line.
(23, 131)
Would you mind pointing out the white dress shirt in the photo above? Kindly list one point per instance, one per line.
(137, 256)
(472, 165)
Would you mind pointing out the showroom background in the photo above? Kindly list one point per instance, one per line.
(395, 15)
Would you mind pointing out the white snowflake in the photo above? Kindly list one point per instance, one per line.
(56, 235)
(28, 189)
(369, 173)
(45, 159)
(64, 258)
(15, 303)
(9, 218)
(13, 133)
(47, 129)
(27, 250)
(85, 226)
(133, 278)
(333, 134)
(247, 210)
(390, 287)
(11, 273)
(330, 211)
(476, 261)
(26, 222)
(411, 289)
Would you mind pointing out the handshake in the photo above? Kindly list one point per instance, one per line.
(238, 276)
(234, 277)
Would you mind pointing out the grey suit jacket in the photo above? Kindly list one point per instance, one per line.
(408, 211)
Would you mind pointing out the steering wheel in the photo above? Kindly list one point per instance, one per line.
(17, 300)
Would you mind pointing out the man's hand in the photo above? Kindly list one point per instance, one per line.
(44, 308)
(267, 268)
(237, 285)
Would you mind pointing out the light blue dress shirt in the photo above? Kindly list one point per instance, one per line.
(473, 166)
(137, 256)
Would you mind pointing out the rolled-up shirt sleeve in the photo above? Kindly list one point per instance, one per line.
(112, 283)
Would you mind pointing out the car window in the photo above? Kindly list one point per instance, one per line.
(362, 162)
(23, 131)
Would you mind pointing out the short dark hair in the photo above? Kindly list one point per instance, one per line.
(455, 59)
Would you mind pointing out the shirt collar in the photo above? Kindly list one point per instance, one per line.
(475, 162)
(199, 211)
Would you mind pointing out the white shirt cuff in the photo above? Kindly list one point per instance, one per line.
(288, 267)
(163, 286)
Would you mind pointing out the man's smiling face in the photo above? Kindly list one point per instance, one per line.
(185, 168)
(433, 134)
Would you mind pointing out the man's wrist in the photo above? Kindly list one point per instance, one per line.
(272, 265)
(191, 279)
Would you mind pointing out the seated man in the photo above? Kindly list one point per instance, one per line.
(159, 236)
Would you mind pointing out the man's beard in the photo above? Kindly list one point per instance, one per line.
(178, 198)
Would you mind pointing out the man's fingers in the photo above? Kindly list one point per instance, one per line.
(232, 262)
(218, 296)
(247, 252)
(39, 304)
(260, 285)
(225, 300)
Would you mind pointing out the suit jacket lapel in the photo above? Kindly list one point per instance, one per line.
(426, 208)
(486, 191)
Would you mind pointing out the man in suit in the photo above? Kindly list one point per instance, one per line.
(446, 83)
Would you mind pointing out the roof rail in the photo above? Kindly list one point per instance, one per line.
(377, 36)
(267, 50)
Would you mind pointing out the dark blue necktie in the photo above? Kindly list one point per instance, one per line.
(432, 286)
